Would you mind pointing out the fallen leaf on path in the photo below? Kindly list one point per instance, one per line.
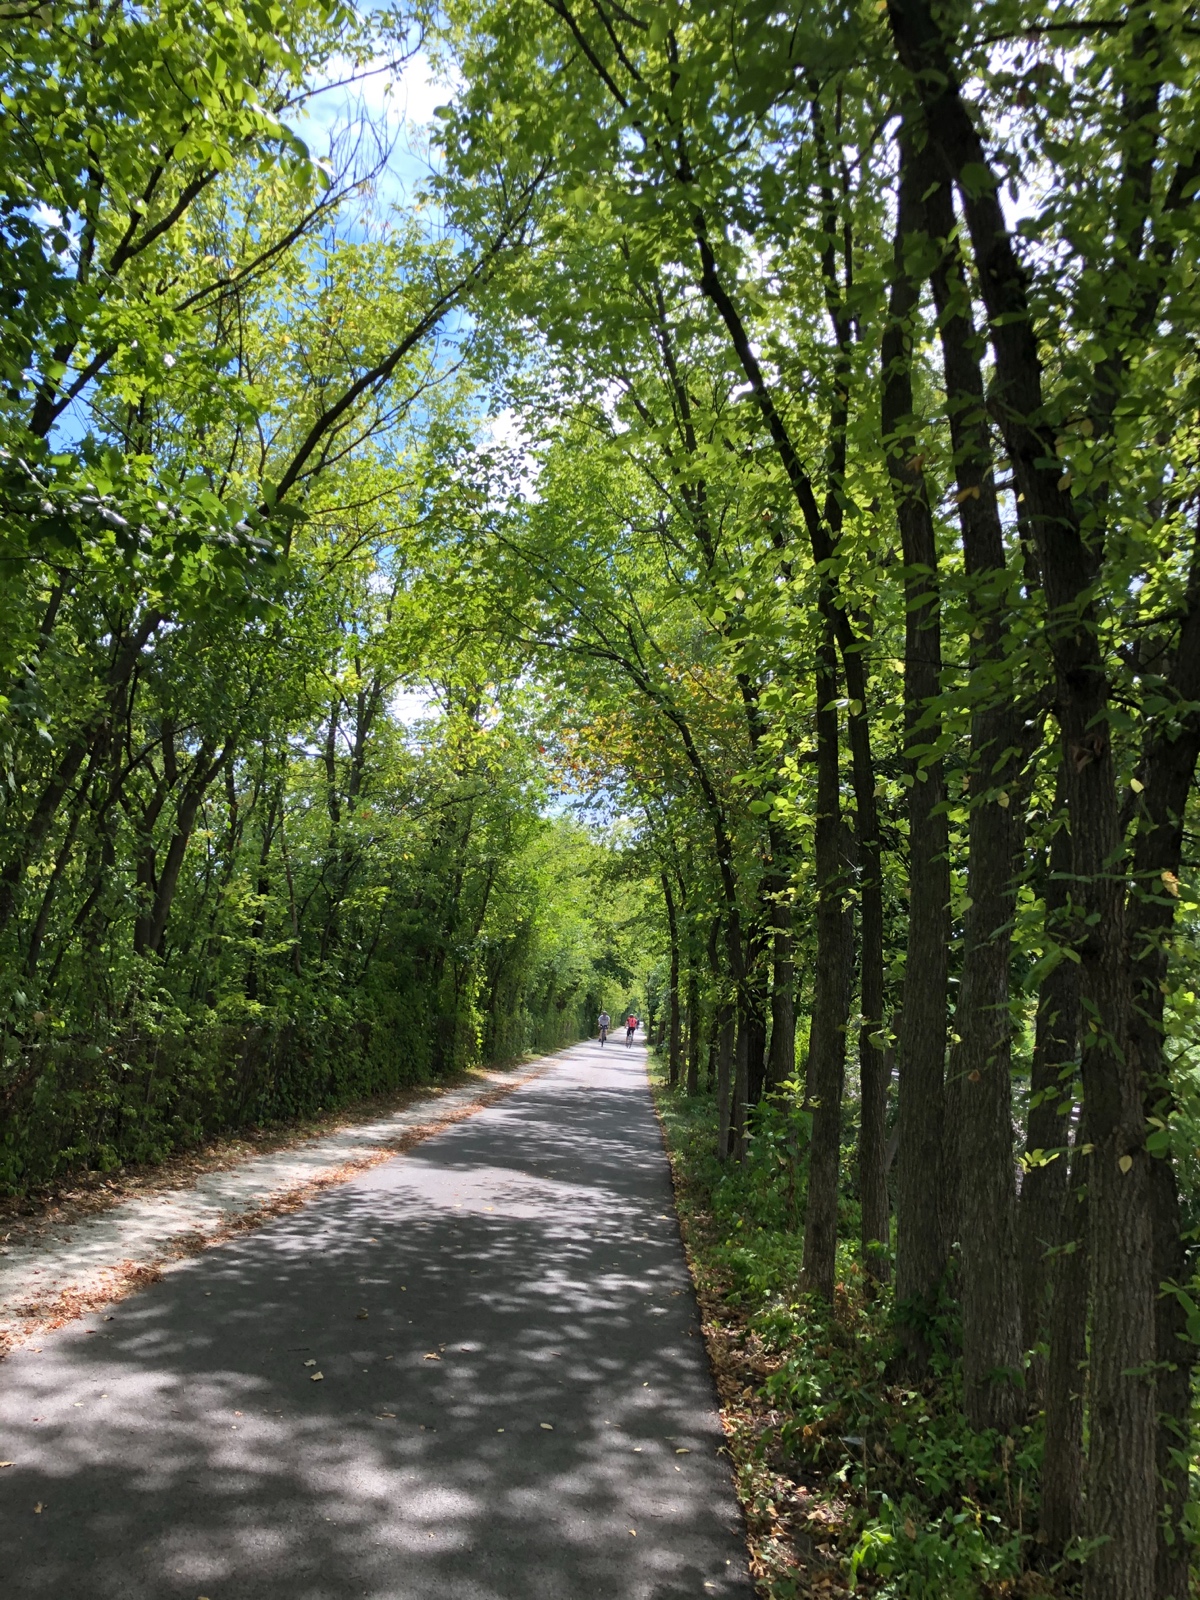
(387, 1416)
(310, 1363)
(361, 1315)
(633, 1531)
(549, 1426)
(38, 1507)
(7, 1463)
(683, 1452)
(316, 1377)
(433, 1356)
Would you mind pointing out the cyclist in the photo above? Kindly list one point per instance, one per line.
(602, 1022)
(630, 1030)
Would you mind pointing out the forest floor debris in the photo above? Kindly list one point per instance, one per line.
(65, 1254)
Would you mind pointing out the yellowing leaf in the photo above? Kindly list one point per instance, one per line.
(1136, 785)
(433, 1356)
(1125, 1163)
(317, 1377)
(310, 1363)
(1170, 883)
(549, 1426)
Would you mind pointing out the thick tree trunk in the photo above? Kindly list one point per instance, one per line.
(1061, 1518)
(1168, 773)
(1044, 1187)
(874, 1075)
(1122, 1468)
(1177, 1358)
(986, 1221)
(921, 1244)
(826, 1069)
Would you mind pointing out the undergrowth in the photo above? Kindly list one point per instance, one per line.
(850, 1479)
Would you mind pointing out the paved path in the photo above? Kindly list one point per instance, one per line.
(471, 1373)
(86, 1253)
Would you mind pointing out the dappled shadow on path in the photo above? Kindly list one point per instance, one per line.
(514, 1400)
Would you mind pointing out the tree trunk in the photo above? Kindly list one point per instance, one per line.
(673, 1050)
(1044, 1187)
(987, 1238)
(201, 776)
(1168, 773)
(1061, 1517)
(921, 1244)
(725, 1052)
(741, 1077)
(826, 1069)
(1122, 1476)
(693, 1033)
(986, 1223)
(781, 1063)
(756, 1031)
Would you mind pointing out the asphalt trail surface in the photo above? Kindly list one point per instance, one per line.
(472, 1373)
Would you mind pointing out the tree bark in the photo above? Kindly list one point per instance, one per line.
(741, 1087)
(725, 1051)
(1044, 1187)
(673, 1049)
(986, 1223)
(1061, 1514)
(1122, 1462)
(781, 1062)
(826, 1070)
(1168, 774)
(921, 1244)
(693, 1032)
(756, 1027)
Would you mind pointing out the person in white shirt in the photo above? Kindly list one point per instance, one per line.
(602, 1022)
